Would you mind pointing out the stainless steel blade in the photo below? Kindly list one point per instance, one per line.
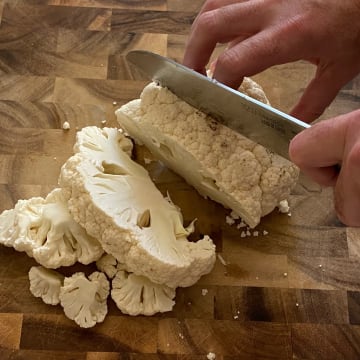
(257, 121)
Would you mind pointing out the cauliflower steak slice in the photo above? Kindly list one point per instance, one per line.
(115, 200)
(220, 163)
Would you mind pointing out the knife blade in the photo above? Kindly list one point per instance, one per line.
(251, 118)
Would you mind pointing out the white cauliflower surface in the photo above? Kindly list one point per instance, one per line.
(115, 200)
(46, 284)
(220, 163)
(84, 299)
(137, 295)
(46, 231)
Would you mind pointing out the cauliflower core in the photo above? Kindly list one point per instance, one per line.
(220, 163)
(115, 200)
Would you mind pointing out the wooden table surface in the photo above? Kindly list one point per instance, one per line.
(294, 293)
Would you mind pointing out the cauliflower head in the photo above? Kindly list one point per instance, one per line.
(220, 163)
(115, 200)
(84, 300)
(46, 284)
(46, 231)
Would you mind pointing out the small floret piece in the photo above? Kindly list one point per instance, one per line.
(109, 265)
(137, 295)
(115, 200)
(46, 231)
(220, 163)
(84, 300)
(46, 284)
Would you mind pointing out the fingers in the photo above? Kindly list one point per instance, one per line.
(334, 141)
(316, 150)
(220, 25)
(321, 91)
(347, 189)
(259, 52)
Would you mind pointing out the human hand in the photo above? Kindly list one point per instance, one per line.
(263, 33)
(330, 142)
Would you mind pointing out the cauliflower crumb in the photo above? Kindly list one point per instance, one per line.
(243, 234)
(285, 274)
(147, 161)
(229, 220)
(234, 215)
(255, 233)
(242, 224)
(204, 292)
(211, 356)
(284, 207)
(103, 122)
(66, 125)
(265, 232)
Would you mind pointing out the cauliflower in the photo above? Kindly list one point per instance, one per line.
(46, 284)
(45, 230)
(220, 163)
(109, 265)
(135, 295)
(84, 300)
(115, 200)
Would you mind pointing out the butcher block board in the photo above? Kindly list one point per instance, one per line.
(291, 294)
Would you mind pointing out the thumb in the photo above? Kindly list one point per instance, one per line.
(317, 149)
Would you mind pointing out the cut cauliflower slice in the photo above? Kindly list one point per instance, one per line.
(220, 163)
(115, 200)
(84, 300)
(46, 284)
(137, 295)
(46, 231)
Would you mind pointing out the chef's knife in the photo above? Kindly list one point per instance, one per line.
(259, 122)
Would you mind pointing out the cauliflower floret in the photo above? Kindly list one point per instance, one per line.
(109, 265)
(137, 295)
(46, 231)
(220, 163)
(84, 300)
(46, 284)
(115, 200)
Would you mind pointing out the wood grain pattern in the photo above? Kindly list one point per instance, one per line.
(292, 292)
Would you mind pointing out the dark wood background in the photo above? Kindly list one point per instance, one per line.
(293, 294)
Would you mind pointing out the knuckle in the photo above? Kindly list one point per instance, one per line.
(207, 21)
(227, 60)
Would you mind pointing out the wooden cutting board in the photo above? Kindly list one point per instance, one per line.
(293, 293)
